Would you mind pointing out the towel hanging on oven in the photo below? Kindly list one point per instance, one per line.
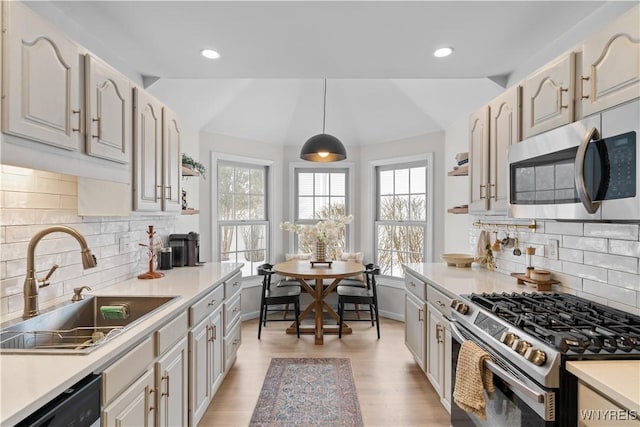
(472, 379)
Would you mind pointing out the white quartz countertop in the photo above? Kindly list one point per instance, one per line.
(456, 281)
(619, 380)
(28, 381)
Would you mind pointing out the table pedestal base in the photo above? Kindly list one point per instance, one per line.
(327, 329)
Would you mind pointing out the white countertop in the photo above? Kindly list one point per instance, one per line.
(455, 281)
(28, 381)
(619, 380)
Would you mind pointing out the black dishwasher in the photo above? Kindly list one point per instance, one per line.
(77, 406)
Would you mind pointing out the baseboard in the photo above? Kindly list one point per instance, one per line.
(392, 316)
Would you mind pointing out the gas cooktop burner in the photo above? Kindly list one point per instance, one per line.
(567, 322)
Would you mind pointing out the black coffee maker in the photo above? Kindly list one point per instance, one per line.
(185, 248)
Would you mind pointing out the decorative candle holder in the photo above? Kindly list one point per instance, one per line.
(150, 274)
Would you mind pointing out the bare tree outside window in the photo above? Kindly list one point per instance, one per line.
(401, 217)
(242, 214)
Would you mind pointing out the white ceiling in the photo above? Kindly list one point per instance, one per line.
(384, 84)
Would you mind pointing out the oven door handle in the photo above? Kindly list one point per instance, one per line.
(581, 186)
(504, 375)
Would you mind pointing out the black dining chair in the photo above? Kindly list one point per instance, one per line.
(277, 296)
(360, 295)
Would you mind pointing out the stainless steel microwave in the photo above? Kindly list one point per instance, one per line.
(587, 170)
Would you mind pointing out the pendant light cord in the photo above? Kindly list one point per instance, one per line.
(324, 111)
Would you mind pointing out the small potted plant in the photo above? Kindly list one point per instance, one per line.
(193, 164)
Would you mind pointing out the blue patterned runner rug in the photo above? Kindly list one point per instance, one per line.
(308, 392)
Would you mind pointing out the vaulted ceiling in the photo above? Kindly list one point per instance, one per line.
(383, 81)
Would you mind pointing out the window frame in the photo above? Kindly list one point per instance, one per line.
(294, 168)
(401, 163)
(221, 158)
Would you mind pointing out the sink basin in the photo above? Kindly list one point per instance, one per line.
(80, 327)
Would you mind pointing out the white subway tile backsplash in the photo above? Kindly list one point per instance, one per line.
(612, 231)
(585, 243)
(585, 271)
(613, 262)
(564, 228)
(568, 281)
(592, 297)
(624, 307)
(624, 280)
(612, 293)
(624, 247)
(39, 200)
(573, 255)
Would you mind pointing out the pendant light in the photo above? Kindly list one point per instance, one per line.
(323, 147)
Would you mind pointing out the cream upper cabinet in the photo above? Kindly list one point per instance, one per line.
(479, 160)
(548, 97)
(172, 162)
(108, 112)
(504, 130)
(41, 80)
(156, 156)
(611, 64)
(147, 152)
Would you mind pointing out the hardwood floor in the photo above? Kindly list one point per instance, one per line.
(392, 390)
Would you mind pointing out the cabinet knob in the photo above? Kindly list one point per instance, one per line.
(212, 302)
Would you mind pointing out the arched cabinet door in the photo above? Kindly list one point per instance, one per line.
(147, 152)
(108, 118)
(611, 64)
(479, 161)
(172, 162)
(548, 97)
(41, 80)
(504, 131)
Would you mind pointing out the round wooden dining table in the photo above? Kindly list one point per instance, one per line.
(302, 271)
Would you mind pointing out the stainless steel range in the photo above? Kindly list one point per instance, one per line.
(530, 337)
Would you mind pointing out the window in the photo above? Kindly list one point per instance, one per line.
(242, 214)
(320, 194)
(402, 215)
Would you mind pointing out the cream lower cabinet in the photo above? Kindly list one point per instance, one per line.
(206, 357)
(41, 81)
(232, 315)
(415, 321)
(206, 362)
(439, 354)
(595, 410)
(611, 64)
(173, 392)
(135, 406)
(548, 96)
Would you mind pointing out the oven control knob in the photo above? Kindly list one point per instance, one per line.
(459, 306)
(536, 356)
(508, 338)
(520, 346)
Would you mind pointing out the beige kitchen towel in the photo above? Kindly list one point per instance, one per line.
(481, 247)
(472, 379)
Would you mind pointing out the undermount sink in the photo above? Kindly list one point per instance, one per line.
(79, 327)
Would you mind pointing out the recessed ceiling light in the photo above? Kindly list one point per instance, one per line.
(442, 52)
(210, 54)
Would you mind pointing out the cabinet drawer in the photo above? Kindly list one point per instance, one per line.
(232, 311)
(206, 305)
(126, 370)
(440, 301)
(231, 344)
(233, 285)
(171, 332)
(416, 286)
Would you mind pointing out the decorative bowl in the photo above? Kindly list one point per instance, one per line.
(458, 260)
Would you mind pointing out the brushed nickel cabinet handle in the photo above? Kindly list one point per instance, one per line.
(79, 120)
(562, 90)
(99, 122)
(582, 80)
(166, 377)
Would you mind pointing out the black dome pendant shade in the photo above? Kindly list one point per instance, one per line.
(323, 147)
